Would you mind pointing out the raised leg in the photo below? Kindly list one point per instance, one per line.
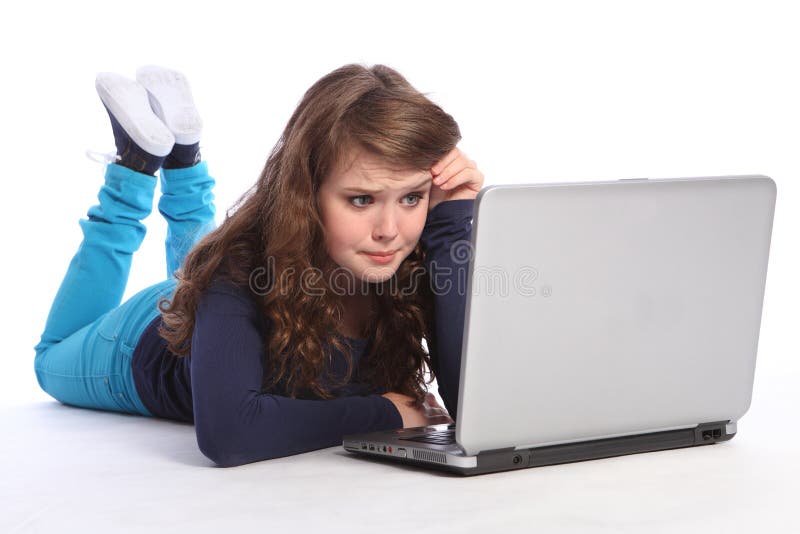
(187, 203)
(96, 278)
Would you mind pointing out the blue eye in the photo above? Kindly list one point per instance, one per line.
(358, 197)
(415, 195)
(355, 200)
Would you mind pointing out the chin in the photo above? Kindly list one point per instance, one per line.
(377, 275)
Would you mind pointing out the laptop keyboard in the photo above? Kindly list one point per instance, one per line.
(438, 437)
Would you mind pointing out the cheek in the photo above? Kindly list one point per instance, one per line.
(409, 225)
(417, 223)
(342, 229)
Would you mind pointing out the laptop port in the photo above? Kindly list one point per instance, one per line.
(363, 446)
(710, 432)
(371, 447)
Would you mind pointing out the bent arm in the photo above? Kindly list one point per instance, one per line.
(235, 423)
(447, 243)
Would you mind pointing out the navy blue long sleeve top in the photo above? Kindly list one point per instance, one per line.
(218, 386)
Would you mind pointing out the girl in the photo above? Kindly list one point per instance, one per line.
(300, 318)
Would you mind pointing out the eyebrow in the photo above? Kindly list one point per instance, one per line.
(374, 191)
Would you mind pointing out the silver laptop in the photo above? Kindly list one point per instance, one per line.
(602, 319)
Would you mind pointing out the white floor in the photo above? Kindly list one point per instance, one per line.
(72, 470)
(543, 92)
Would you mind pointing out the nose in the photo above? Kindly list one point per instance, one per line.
(385, 228)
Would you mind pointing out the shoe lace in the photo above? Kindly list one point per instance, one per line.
(102, 157)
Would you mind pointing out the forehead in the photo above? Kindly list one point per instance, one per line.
(362, 168)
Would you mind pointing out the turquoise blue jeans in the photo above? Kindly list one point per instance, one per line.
(84, 355)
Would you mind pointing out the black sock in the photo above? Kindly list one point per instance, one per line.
(130, 154)
(182, 156)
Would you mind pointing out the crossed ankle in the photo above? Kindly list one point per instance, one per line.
(144, 165)
(182, 156)
(136, 159)
(130, 154)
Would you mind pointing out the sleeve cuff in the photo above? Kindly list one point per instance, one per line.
(452, 208)
(392, 414)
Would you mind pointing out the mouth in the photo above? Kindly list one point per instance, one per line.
(381, 257)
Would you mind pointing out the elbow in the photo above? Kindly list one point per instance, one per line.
(227, 448)
(220, 457)
(217, 450)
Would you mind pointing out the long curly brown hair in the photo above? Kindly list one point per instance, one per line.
(275, 231)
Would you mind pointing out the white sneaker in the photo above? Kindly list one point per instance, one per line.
(128, 103)
(171, 100)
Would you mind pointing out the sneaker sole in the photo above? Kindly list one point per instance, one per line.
(128, 102)
(171, 100)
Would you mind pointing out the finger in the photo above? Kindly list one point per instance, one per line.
(442, 164)
(451, 169)
(455, 167)
(431, 399)
(464, 176)
(437, 412)
(439, 420)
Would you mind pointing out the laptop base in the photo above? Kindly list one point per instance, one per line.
(510, 459)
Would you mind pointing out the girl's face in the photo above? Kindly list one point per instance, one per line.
(373, 215)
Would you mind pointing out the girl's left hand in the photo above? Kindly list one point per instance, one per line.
(455, 177)
(435, 412)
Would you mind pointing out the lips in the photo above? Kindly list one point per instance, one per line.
(381, 257)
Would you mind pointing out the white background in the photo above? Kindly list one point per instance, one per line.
(558, 91)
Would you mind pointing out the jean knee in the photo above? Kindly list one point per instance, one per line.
(36, 359)
(44, 379)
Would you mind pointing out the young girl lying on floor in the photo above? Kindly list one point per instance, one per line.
(301, 317)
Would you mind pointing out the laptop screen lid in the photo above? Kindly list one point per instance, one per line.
(618, 308)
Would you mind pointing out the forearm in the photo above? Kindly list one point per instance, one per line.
(447, 241)
(236, 423)
(262, 427)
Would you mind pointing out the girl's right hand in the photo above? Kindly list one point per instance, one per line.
(430, 413)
